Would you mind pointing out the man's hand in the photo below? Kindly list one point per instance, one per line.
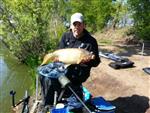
(85, 60)
(56, 59)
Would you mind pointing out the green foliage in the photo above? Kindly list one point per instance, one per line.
(29, 28)
(141, 13)
(98, 12)
(119, 10)
(96, 15)
(33, 28)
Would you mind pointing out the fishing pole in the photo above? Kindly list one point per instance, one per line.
(65, 82)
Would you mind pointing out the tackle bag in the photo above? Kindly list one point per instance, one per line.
(120, 65)
(147, 70)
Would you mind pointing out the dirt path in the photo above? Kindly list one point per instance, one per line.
(128, 89)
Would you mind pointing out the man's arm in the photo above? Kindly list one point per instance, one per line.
(94, 62)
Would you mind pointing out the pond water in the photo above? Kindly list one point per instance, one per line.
(13, 76)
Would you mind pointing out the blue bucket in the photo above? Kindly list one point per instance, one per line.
(60, 110)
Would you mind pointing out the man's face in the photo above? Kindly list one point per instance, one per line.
(77, 29)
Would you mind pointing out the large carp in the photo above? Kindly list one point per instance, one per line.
(68, 56)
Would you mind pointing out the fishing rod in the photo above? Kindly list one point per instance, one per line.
(25, 101)
(65, 82)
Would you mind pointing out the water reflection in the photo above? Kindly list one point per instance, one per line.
(3, 70)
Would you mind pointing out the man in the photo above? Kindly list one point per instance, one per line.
(77, 37)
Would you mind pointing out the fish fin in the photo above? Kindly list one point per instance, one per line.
(78, 62)
(47, 58)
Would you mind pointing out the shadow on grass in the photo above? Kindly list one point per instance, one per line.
(133, 104)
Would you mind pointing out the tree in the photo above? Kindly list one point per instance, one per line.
(119, 11)
(141, 13)
(31, 28)
(96, 12)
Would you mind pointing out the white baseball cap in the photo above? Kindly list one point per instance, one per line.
(76, 17)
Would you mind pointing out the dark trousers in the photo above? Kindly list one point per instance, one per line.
(50, 85)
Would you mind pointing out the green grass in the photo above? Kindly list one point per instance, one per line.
(105, 42)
